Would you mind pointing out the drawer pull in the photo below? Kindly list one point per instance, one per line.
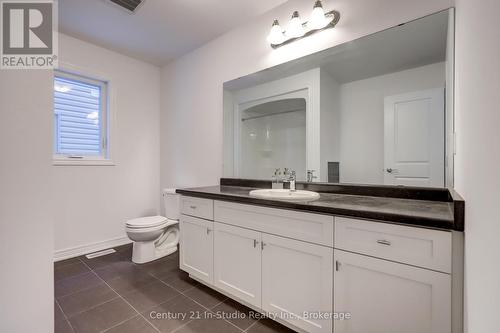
(384, 242)
(192, 207)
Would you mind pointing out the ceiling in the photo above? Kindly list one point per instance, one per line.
(160, 30)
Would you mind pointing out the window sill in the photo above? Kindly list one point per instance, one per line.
(81, 162)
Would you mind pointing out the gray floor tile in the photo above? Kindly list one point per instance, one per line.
(134, 325)
(108, 259)
(150, 295)
(116, 269)
(62, 326)
(209, 325)
(69, 270)
(86, 299)
(58, 314)
(161, 267)
(174, 313)
(205, 296)
(236, 313)
(269, 326)
(179, 281)
(130, 282)
(61, 263)
(76, 283)
(102, 317)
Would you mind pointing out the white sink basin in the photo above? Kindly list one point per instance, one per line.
(279, 194)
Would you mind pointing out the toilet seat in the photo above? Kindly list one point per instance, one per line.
(146, 222)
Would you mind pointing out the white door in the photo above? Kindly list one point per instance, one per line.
(297, 282)
(386, 297)
(237, 262)
(196, 247)
(414, 139)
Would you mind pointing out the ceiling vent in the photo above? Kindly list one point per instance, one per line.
(130, 6)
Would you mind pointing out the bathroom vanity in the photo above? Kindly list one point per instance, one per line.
(358, 259)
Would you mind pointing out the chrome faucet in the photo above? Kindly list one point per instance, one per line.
(310, 176)
(277, 180)
(290, 178)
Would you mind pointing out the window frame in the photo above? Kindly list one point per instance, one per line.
(104, 120)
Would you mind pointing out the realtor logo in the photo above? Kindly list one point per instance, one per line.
(28, 35)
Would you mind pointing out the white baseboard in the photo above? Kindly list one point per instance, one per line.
(89, 248)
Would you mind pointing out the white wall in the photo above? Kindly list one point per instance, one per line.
(362, 119)
(93, 202)
(477, 163)
(26, 221)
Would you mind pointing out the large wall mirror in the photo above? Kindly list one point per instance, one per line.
(377, 110)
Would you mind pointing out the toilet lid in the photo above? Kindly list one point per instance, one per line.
(146, 222)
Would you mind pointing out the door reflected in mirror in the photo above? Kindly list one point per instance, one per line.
(377, 110)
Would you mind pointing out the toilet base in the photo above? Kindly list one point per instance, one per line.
(144, 252)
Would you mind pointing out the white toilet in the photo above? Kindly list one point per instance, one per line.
(156, 236)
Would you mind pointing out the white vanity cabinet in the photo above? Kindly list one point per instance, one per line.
(377, 282)
(237, 262)
(197, 243)
(297, 282)
(304, 269)
(387, 297)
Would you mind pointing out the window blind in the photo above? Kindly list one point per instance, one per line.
(77, 113)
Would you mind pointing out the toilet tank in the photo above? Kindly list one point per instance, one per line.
(172, 203)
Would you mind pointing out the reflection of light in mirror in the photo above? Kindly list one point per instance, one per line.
(253, 135)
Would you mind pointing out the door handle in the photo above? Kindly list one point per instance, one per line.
(391, 170)
(384, 242)
(337, 265)
(262, 244)
(255, 242)
(208, 231)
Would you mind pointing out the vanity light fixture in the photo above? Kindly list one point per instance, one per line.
(297, 29)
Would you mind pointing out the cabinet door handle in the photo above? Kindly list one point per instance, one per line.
(255, 242)
(337, 265)
(192, 207)
(208, 231)
(262, 244)
(384, 242)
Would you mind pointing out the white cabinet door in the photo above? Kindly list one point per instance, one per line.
(237, 262)
(196, 247)
(387, 297)
(297, 282)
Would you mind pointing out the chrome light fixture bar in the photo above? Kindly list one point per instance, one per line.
(297, 29)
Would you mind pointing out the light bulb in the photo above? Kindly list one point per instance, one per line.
(295, 28)
(276, 36)
(318, 19)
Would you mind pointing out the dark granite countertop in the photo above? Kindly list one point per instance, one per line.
(422, 213)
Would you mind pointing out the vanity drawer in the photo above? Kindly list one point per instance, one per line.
(313, 228)
(197, 207)
(415, 246)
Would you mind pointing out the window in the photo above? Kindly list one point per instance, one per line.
(80, 119)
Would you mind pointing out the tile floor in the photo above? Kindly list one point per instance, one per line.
(112, 294)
